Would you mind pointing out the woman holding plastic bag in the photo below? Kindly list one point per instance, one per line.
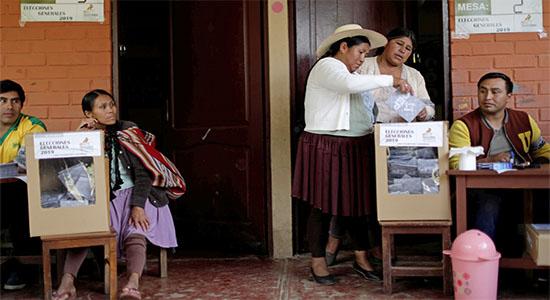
(400, 46)
(142, 180)
(386, 103)
(333, 156)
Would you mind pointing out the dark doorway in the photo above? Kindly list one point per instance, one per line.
(316, 19)
(192, 73)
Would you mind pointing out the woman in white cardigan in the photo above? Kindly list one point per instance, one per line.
(333, 156)
(391, 61)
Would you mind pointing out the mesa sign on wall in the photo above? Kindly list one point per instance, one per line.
(498, 16)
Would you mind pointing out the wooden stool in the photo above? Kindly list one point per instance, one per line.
(107, 239)
(163, 265)
(418, 267)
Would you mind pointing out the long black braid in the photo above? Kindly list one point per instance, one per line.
(113, 147)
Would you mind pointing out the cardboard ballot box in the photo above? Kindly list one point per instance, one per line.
(538, 243)
(67, 183)
(411, 165)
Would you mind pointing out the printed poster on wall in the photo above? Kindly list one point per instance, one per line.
(496, 16)
(62, 11)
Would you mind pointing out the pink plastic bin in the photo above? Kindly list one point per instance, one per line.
(475, 266)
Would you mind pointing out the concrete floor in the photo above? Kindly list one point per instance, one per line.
(260, 278)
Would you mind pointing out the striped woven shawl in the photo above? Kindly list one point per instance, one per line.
(163, 172)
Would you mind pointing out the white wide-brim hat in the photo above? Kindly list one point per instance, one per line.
(350, 30)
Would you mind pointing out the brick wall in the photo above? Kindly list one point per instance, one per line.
(523, 56)
(55, 62)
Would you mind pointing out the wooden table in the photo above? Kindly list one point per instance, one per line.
(532, 178)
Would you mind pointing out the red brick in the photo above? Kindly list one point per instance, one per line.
(101, 58)
(25, 59)
(76, 122)
(90, 71)
(70, 85)
(532, 74)
(52, 46)
(511, 61)
(459, 76)
(492, 48)
(525, 88)
(476, 74)
(533, 112)
(48, 98)
(472, 62)
(102, 84)
(544, 128)
(22, 34)
(533, 101)
(15, 47)
(11, 8)
(99, 33)
(458, 114)
(545, 114)
(34, 85)
(58, 125)
(37, 111)
(481, 37)
(462, 103)
(544, 87)
(76, 97)
(64, 59)
(533, 47)
(464, 90)
(523, 36)
(9, 20)
(544, 60)
(461, 49)
(65, 33)
(92, 45)
(47, 72)
(13, 73)
(65, 112)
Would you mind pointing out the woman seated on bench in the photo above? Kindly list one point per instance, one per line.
(139, 210)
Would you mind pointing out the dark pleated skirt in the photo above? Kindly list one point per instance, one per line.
(334, 173)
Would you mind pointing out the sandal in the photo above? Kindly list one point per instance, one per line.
(66, 295)
(129, 293)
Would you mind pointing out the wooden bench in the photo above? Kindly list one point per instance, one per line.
(417, 265)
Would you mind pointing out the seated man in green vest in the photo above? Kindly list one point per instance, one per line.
(14, 125)
(504, 134)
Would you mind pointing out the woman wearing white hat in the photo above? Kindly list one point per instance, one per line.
(333, 156)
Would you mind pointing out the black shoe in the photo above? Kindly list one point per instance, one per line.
(331, 258)
(368, 275)
(324, 280)
(15, 282)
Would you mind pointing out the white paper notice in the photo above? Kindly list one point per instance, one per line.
(62, 11)
(496, 16)
(420, 134)
(67, 144)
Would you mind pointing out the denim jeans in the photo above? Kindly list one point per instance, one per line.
(487, 206)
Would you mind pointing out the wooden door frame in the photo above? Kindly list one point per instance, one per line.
(265, 99)
(447, 103)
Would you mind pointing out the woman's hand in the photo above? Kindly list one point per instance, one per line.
(138, 218)
(402, 85)
(87, 124)
(422, 115)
